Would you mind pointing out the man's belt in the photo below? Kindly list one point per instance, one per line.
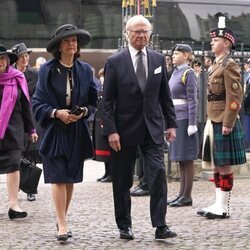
(216, 97)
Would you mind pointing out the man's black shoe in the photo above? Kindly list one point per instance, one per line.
(107, 179)
(139, 192)
(182, 202)
(135, 188)
(164, 233)
(126, 234)
(103, 177)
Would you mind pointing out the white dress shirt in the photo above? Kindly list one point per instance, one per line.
(133, 53)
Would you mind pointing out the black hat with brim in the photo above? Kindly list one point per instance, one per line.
(225, 33)
(182, 47)
(12, 56)
(20, 49)
(67, 30)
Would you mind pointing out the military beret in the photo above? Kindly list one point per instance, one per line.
(182, 47)
(225, 33)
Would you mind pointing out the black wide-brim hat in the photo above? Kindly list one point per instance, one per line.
(182, 47)
(12, 56)
(225, 33)
(67, 30)
(20, 49)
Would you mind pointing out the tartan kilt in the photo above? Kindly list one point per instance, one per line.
(229, 149)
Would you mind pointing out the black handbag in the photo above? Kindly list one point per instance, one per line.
(29, 175)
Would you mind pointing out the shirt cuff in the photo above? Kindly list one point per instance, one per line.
(32, 131)
(52, 114)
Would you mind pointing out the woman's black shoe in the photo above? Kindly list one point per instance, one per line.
(173, 200)
(182, 202)
(31, 197)
(70, 235)
(16, 214)
(62, 238)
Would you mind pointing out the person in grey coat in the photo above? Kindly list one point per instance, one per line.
(31, 75)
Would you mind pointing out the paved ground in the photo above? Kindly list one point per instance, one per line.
(92, 222)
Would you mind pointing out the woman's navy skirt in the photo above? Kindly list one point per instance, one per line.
(60, 170)
(229, 149)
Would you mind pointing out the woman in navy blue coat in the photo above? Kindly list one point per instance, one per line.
(63, 83)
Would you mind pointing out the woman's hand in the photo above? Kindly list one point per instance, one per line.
(66, 117)
(33, 137)
(75, 118)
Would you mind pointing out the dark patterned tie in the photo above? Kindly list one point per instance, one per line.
(140, 71)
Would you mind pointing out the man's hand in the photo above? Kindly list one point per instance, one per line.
(114, 142)
(170, 134)
(226, 130)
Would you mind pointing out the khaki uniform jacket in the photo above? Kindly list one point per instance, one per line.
(224, 78)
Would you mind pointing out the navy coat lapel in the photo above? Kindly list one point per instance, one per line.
(130, 67)
(150, 67)
(131, 70)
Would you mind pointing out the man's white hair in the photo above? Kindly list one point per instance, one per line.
(40, 60)
(137, 19)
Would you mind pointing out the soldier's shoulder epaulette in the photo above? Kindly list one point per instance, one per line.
(185, 74)
(226, 60)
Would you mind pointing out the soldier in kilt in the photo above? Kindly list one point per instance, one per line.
(225, 137)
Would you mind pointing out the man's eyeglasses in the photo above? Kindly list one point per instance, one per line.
(138, 32)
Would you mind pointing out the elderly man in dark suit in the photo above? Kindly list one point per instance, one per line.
(136, 102)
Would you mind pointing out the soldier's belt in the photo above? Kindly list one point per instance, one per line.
(216, 97)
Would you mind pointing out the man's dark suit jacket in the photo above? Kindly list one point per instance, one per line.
(126, 110)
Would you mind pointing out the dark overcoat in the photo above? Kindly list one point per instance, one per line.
(126, 110)
(31, 76)
(101, 145)
(74, 142)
